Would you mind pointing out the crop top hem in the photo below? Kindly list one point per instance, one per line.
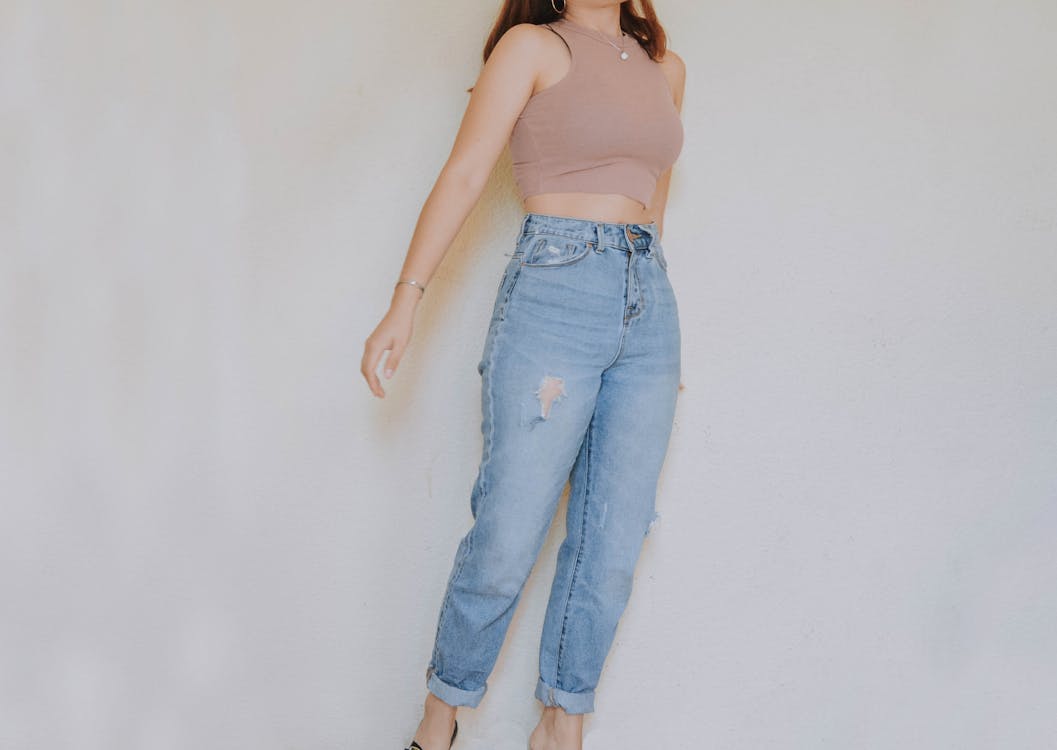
(587, 192)
(619, 177)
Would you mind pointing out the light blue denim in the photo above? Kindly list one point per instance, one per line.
(580, 374)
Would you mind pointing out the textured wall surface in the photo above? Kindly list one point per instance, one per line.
(213, 536)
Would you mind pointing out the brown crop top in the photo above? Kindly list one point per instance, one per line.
(608, 126)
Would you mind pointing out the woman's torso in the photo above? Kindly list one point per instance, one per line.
(602, 127)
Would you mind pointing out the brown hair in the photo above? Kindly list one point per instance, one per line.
(644, 28)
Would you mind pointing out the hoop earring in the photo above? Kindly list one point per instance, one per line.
(559, 12)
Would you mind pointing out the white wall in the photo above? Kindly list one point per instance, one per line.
(214, 536)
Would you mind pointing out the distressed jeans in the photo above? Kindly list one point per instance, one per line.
(580, 373)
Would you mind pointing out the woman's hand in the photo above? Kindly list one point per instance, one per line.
(392, 334)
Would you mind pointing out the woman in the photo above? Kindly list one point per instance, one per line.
(580, 368)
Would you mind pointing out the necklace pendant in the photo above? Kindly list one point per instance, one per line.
(624, 55)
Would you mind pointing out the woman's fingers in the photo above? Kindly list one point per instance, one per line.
(390, 336)
(393, 360)
(372, 354)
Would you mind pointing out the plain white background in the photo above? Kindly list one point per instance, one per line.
(213, 536)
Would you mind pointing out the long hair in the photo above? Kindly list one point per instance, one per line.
(643, 26)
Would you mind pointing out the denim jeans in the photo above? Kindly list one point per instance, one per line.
(580, 373)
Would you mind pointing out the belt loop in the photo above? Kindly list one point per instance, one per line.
(600, 231)
(524, 221)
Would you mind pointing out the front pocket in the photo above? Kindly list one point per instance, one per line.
(552, 250)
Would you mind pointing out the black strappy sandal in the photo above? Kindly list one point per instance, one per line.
(415, 746)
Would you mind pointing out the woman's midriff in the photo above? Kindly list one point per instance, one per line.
(611, 208)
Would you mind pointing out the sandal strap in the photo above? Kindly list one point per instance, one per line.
(415, 746)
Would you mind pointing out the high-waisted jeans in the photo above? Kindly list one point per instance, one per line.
(580, 374)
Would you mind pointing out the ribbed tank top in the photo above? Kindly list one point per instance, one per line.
(608, 126)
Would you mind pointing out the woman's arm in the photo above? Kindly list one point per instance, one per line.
(675, 70)
(503, 87)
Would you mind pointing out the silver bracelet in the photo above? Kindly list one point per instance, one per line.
(412, 282)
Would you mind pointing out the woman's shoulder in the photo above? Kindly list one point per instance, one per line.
(527, 33)
(674, 70)
(672, 63)
(526, 44)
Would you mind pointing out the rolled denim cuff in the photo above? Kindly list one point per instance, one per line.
(573, 703)
(452, 695)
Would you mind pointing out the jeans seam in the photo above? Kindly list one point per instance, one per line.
(488, 440)
(579, 552)
(448, 597)
(515, 273)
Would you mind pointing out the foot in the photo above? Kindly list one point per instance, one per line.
(438, 722)
(558, 730)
